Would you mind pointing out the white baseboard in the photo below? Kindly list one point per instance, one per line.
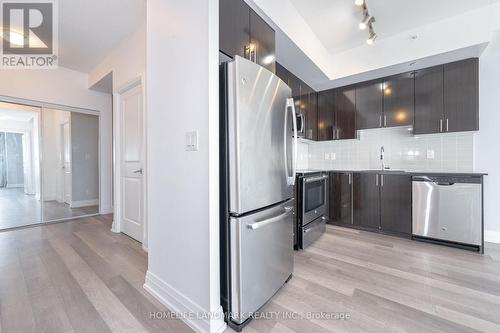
(180, 304)
(107, 210)
(492, 236)
(15, 185)
(84, 203)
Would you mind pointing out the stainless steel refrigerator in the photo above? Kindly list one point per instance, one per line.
(258, 172)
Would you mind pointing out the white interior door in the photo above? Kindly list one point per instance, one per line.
(66, 161)
(131, 113)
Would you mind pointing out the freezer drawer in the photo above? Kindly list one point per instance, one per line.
(313, 231)
(449, 211)
(261, 258)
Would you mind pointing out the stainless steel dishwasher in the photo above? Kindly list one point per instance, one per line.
(448, 209)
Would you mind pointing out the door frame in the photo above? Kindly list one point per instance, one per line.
(117, 157)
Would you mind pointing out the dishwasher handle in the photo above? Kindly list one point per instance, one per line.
(444, 183)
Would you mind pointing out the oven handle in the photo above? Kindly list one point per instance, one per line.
(315, 179)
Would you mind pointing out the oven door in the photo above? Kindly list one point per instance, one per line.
(314, 198)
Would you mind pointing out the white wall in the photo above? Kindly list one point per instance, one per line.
(67, 87)
(487, 157)
(182, 96)
(126, 62)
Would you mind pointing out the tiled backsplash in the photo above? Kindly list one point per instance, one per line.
(449, 152)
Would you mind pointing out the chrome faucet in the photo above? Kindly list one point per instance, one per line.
(382, 155)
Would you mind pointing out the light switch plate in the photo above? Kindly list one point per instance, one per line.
(327, 156)
(334, 156)
(192, 141)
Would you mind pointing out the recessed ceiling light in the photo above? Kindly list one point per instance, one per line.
(359, 3)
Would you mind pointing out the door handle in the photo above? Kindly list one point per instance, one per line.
(291, 105)
(138, 171)
(261, 224)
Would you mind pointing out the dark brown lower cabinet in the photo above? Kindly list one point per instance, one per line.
(366, 200)
(382, 202)
(340, 199)
(395, 204)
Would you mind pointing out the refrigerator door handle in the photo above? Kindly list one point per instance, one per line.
(290, 105)
(261, 224)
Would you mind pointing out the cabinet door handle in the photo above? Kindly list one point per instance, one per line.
(376, 180)
(380, 121)
(447, 125)
(350, 179)
(385, 121)
(382, 180)
(440, 125)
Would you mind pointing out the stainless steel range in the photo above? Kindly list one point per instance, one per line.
(312, 207)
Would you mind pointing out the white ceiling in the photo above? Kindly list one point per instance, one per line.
(91, 29)
(335, 22)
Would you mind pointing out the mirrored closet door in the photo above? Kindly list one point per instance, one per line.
(70, 165)
(49, 165)
(20, 190)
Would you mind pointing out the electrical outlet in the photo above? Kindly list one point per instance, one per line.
(333, 156)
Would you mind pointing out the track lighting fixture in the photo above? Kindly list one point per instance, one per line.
(367, 22)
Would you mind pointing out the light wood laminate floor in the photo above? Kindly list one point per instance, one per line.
(79, 277)
(387, 284)
(18, 209)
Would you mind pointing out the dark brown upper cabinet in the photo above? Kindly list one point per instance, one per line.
(262, 38)
(429, 101)
(345, 113)
(369, 105)
(326, 107)
(234, 27)
(337, 114)
(309, 111)
(243, 32)
(395, 204)
(461, 96)
(399, 100)
(447, 98)
(305, 100)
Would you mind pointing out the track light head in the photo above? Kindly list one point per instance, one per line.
(371, 38)
(359, 3)
(367, 20)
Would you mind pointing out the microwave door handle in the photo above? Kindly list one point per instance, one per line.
(302, 123)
